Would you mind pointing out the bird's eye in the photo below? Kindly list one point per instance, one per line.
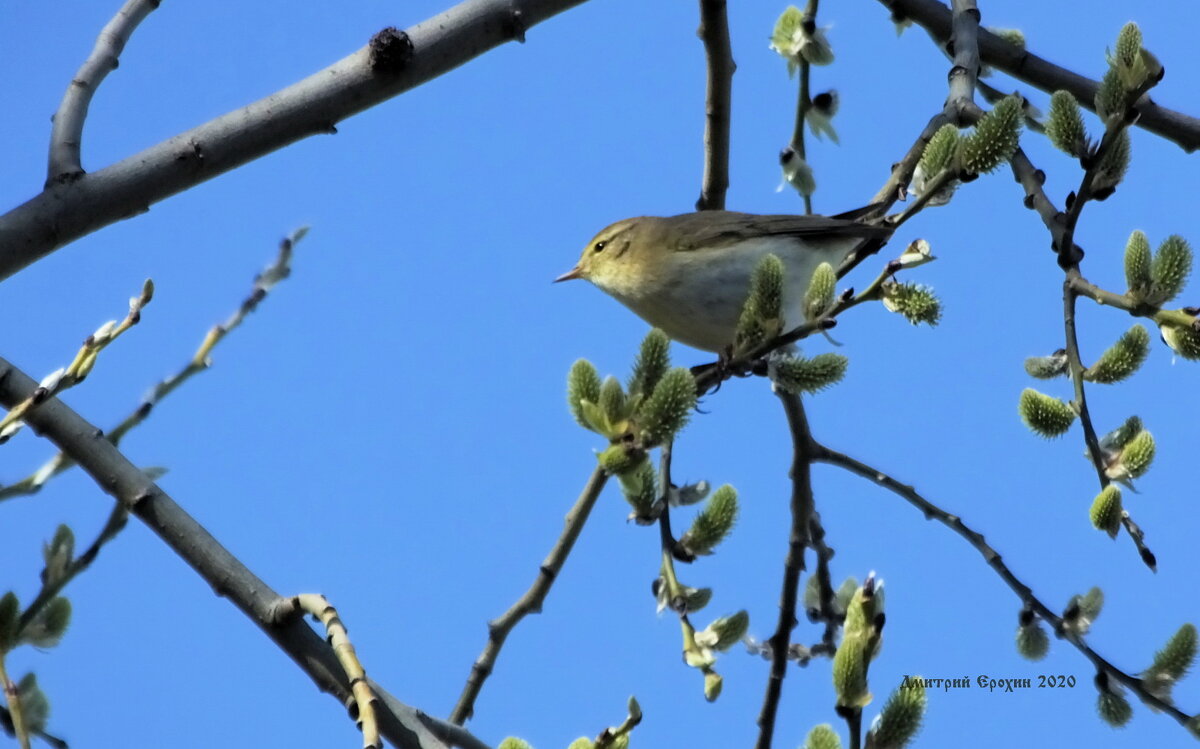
(599, 246)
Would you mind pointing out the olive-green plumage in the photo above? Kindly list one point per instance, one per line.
(689, 275)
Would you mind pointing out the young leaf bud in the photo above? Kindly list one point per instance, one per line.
(850, 672)
(1122, 359)
(1106, 511)
(797, 375)
(712, 685)
(713, 523)
(1169, 270)
(916, 302)
(667, 409)
(1032, 641)
(900, 718)
(1047, 367)
(1046, 416)
(822, 737)
(1064, 124)
(1137, 265)
(725, 632)
(819, 297)
(796, 172)
(1135, 458)
(583, 384)
(652, 362)
(1183, 340)
(1112, 167)
(1114, 709)
(995, 137)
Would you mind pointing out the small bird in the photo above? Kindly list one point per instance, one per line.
(689, 275)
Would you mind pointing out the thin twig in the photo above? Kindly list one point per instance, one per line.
(1023, 65)
(67, 132)
(798, 540)
(714, 32)
(117, 476)
(531, 601)
(931, 511)
(12, 697)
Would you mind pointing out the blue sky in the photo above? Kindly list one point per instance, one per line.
(390, 428)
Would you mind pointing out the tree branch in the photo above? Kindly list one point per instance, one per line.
(992, 557)
(391, 64)
(935, 18)
(531, 602)
(67, 132)
(229, 578)
(714, 32)
(798, 540)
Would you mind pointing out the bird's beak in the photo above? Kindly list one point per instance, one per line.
(570, 275)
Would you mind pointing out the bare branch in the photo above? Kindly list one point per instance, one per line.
(798, 541)
(67, 134)
(229, 578)
(964, 42)
(531, 602)
(935, 18)
(714, 32)
(394, 63)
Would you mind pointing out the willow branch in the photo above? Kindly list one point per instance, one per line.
(67, 132)
(714, 32)
(531, 601)
(228, 577)
(798, 541)
(935, 18)
(392, 63)
(993, 559)
(964, 41)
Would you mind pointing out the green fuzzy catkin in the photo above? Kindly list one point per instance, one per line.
(583, 384)
(1090, 603)
(819, 297)
(1170, 269)
(713, 523)
(653, 361)
(1047, 367)
(1176, 657)
(1111, 97)
(762, 314)
(512, 742)
(1129, 46)
(798, 375)
(712, 685)
(916, 302)
(1183, 340)
(583, 742)
(1106, 511)
(1122, 359)
(730, 630)
(1121, 436)
(1138, 455)
(939, 152)
(901, 717)
(612, 400)
(1113, 708)
(1064, 124)
(10, 612)
(850, 672)
(1032, 642)
(640, 488)
(35, 708)
(995, 138)
(1046, 416)
(58, 554)
(668, 408)
(48, 627)
(1113, 166)
(1137, 265)
(822, 737)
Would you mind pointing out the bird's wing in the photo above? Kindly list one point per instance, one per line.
(708, 229)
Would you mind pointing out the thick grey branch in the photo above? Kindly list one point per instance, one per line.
(935, 18)
(113, 472)
(393, 63)
(67, 133)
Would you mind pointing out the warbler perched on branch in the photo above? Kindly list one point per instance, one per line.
(689, 275)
